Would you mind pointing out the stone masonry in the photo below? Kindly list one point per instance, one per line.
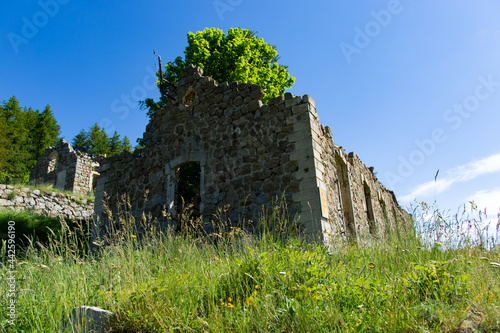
(52, 204)
(250, 156)
(65, 168)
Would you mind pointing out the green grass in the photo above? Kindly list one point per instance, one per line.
(272, 282)
(49, 189)
(32, 227)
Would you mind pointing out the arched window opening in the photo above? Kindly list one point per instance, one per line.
(52, 162)
(188, 97)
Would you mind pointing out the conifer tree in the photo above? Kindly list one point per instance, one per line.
(115, 144)
(80, 142)
(47, 131)
(126, 145)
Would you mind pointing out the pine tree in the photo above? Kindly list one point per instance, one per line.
(98, 141)
(4, 148)
(95, 141)
(115, 145)
(126, 145)
(80, 142)
(47, 131)
(17, 135)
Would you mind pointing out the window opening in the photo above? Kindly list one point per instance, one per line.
(188, 97)
(345, 197)
(369, 209)
(52, 162)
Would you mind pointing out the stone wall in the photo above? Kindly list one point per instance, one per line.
(53, 204)
(249, 156)
(65, 168)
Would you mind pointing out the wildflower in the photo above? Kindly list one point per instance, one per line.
(255, 292)
(133, 236)
(249, 300)
(315, 295)
(257, 287)
(229, 305)
(229, 300)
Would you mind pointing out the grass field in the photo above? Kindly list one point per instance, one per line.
(234, 281)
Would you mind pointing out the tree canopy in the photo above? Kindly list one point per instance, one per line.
(239, 55)
(24, 135)
(95, 142)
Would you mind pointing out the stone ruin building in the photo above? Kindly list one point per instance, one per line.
(249, 156)
(66, 169)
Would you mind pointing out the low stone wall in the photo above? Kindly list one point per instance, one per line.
(47, 203)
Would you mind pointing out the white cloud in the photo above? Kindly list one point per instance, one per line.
(489, 202)
(487, 199)
(461, 173)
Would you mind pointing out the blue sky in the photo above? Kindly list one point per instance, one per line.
(411, 86)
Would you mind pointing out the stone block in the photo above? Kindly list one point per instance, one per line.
(86, 319)
(292, 102)
(5, 203)
(300, 109)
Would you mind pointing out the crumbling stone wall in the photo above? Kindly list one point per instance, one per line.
(250, 155)
(65, 168)
(52, 204)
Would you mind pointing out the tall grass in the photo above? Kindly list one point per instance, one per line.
(272, 281)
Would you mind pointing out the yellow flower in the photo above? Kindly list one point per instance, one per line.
(229, 300)
(230, 305)
(255, 292)
(257, 287)
(133, 236)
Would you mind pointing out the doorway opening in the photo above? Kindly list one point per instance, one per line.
(188, 184)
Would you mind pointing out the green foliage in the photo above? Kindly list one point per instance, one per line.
(24, 134)
(95, 142)
(239, 55)
(46, 131)
(435, 280)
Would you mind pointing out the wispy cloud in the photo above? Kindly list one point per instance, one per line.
(458, 174)
(488, 202)
(487, 199)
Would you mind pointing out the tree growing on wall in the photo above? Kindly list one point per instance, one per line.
(239, 55)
